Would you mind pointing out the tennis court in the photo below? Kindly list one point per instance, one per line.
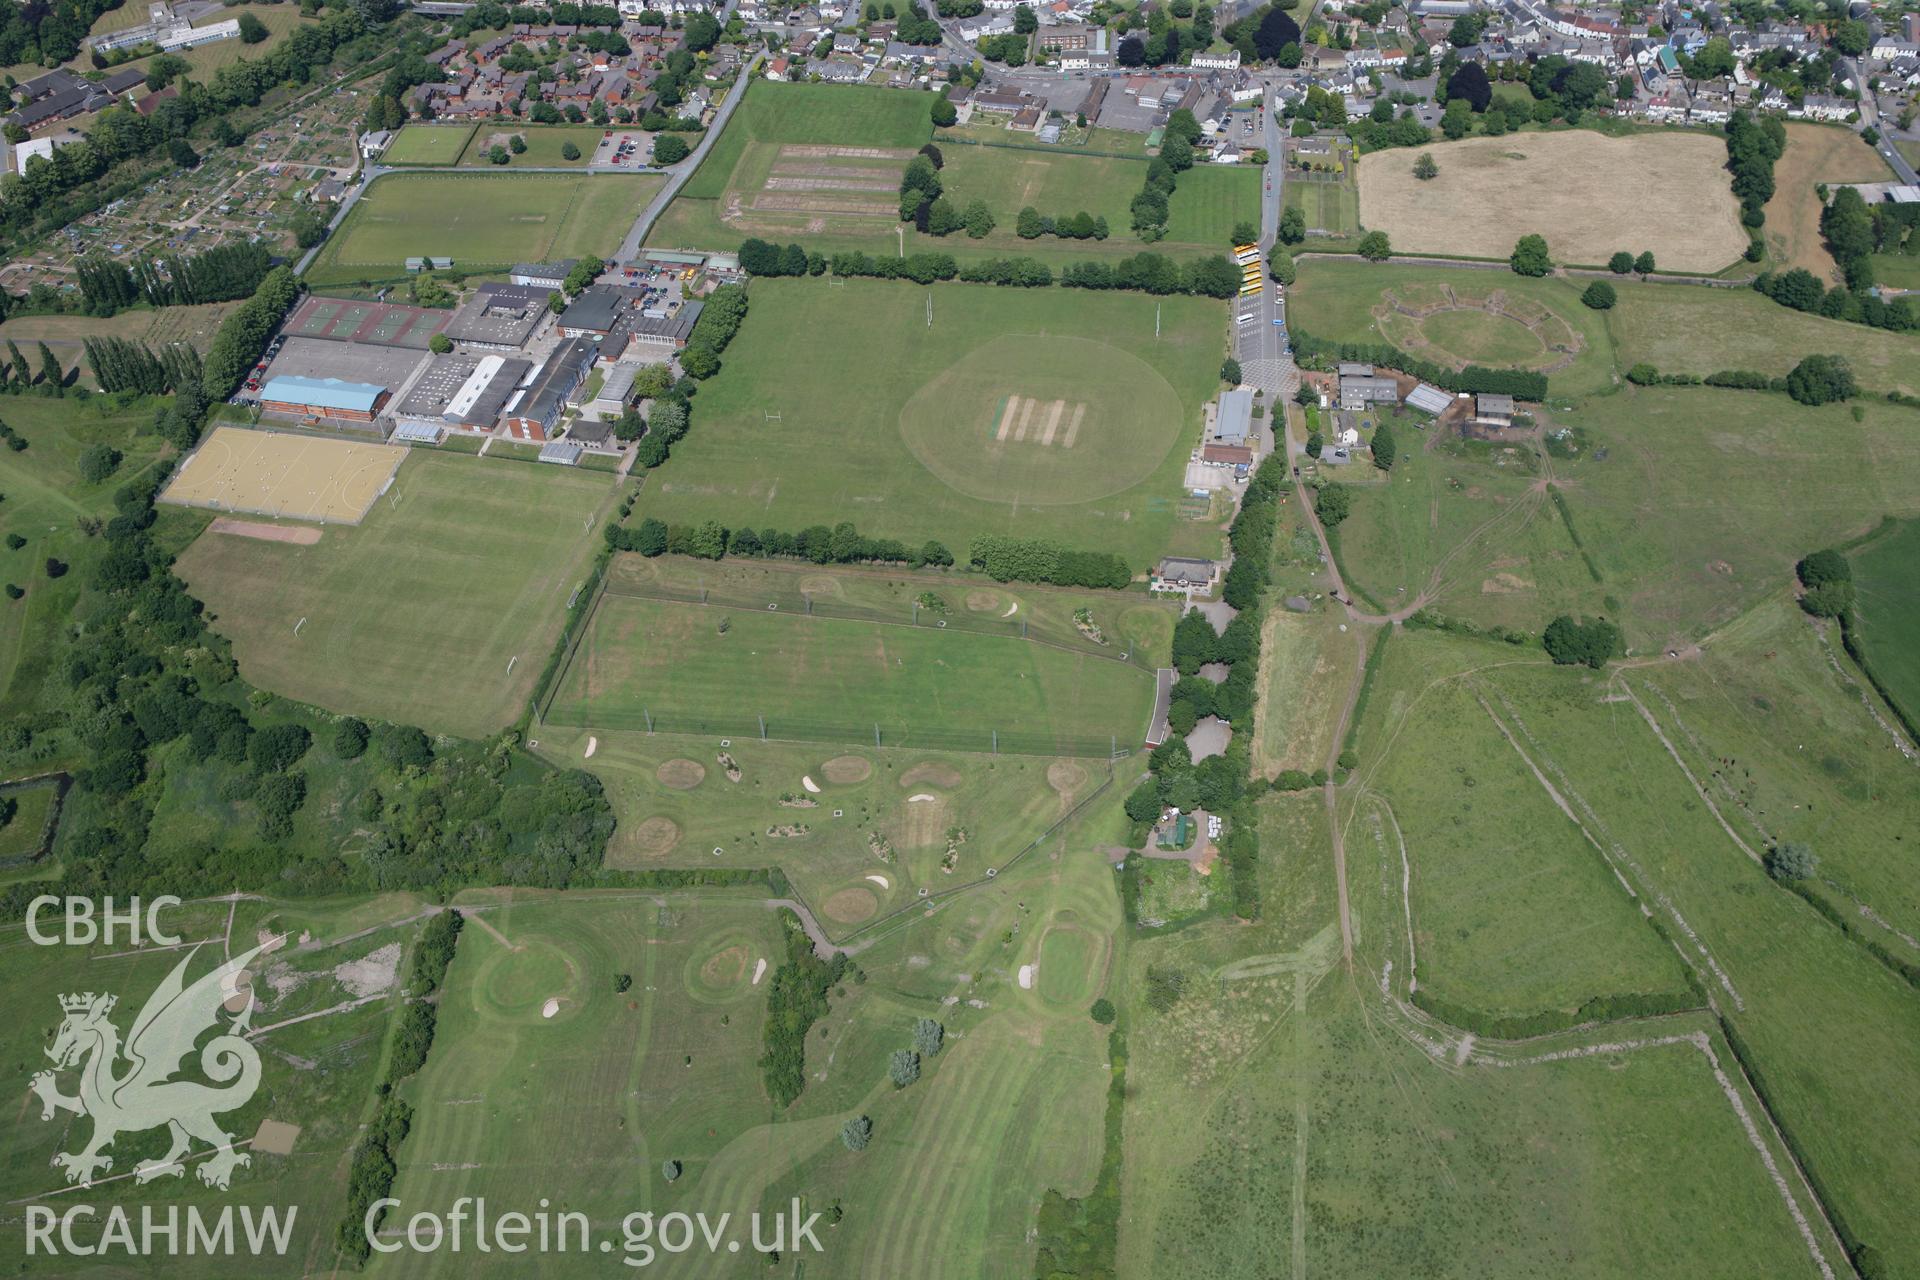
(377, 323)
(299, 477)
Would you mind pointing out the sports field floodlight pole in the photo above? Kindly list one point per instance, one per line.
(929, 308)
(901, 231)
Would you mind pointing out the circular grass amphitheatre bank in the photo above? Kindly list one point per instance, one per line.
(1042, 420)
(682, 774)
(1459, 325)
(845, 770)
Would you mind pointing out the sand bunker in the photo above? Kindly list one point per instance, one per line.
(925, 797)
(880, 880)
(593, 745)
(551, 1007)
(810, 785)
(681, 775)
(1011, 609)
(759, 970)
(1026, 977)
(847, 769)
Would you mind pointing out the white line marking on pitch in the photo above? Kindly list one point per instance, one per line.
(1006, 417)
(1053, 421)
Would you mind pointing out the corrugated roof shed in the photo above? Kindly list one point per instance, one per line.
(1429, 399)
(324, 393)
(1235, 418)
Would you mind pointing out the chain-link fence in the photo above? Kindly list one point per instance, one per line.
(1011, 742)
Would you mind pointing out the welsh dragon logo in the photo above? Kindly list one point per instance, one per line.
(130, 1088)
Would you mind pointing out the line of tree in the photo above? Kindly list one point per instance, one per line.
(1801, 290)
(720, 319)
(123, 364)
(1032, 224)
(1008, 559)
(1753, 145)
(1221, 784)
(219, 275)
(1153, 206)
(1609, 1008)
(796, 999)
(924, 203)
(1521, 384)
(1816, 380)
(1214, 276)
(818, 544)
(376, 1158)
(672, 409)
(243, 335)
(17, 377)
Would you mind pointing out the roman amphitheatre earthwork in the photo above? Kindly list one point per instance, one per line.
(1456, 326)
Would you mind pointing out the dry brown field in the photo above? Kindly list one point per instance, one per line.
(1588, 194)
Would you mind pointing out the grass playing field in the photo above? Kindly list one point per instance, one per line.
(1328, 205)
(1886, 576)
(820, 164)
(861, 439)
(427, 144)
(1589, 194)
(482, 220)
(830, 679)
(1679, 329)
(416, 614)
(545, 145)
(1676, 328)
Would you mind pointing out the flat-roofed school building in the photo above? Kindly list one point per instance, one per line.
(323, 398)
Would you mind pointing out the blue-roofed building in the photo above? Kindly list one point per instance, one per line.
(323, 398)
